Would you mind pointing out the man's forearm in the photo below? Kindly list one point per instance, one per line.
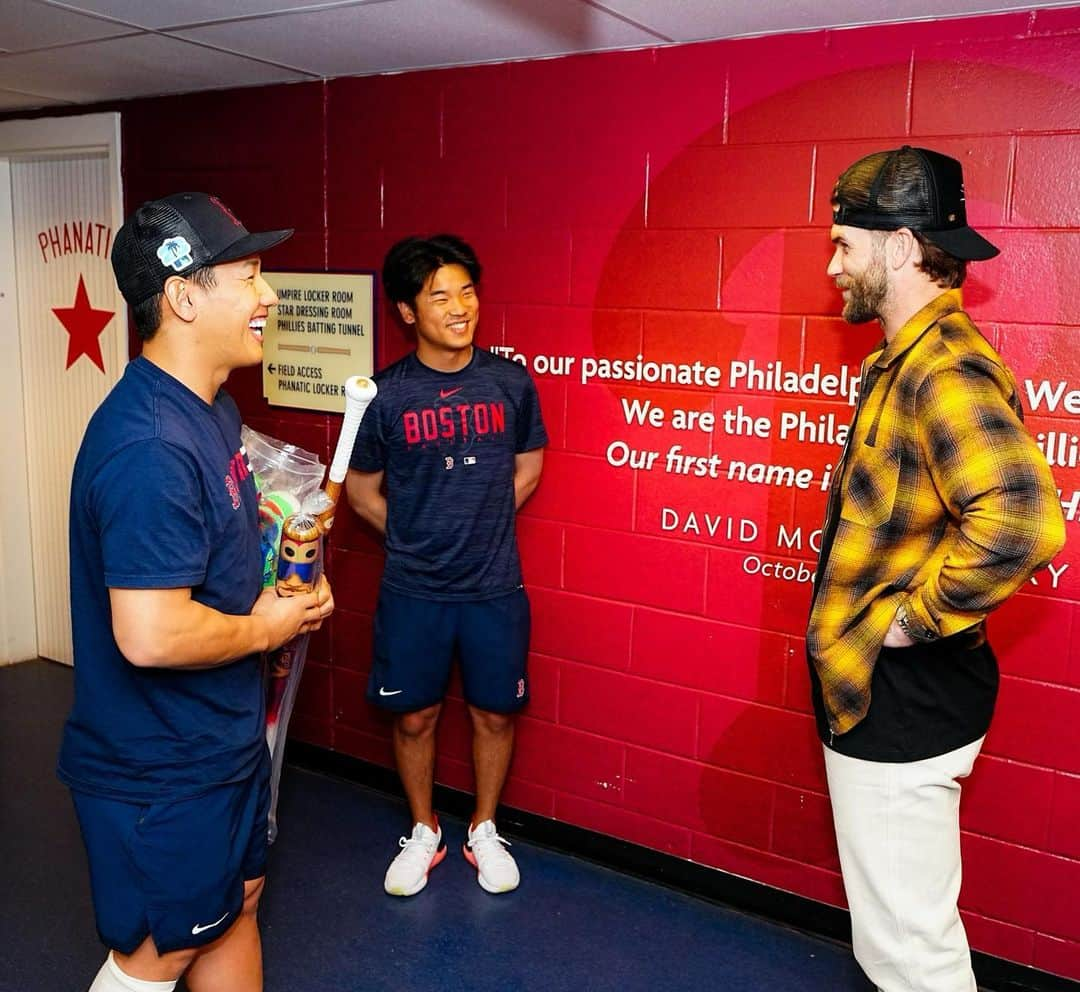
(175, 631)
(995, 485)
(527, 468)
(988, 562)
(372, 511)
(364, 491)
(524, 488)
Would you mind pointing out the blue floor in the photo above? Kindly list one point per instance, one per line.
(327, 925)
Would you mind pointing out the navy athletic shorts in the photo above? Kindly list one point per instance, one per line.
(174, 870)
(416, 641)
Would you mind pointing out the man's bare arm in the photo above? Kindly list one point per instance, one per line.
(527, 468)
(365, 495)
(166, 628)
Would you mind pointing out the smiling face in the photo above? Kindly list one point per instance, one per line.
(233, 312)
(445, 314)
(858, 267)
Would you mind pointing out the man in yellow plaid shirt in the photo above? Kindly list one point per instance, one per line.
(941, 508)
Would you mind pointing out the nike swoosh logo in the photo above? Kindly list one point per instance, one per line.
(446, 393)
(196, 930)
(396, 692)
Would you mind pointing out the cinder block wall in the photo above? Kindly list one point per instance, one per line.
(673, 203)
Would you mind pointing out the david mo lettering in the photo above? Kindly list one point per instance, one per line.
(459, 422)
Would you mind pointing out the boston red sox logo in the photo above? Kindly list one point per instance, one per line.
(233, 491)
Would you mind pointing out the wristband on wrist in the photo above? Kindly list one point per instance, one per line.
(915, 630)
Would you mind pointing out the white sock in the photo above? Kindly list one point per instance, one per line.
(112, 979)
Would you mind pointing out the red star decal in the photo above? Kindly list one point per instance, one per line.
(84, 324)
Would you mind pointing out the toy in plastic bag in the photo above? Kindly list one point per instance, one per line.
(294, 518)
(285, 475)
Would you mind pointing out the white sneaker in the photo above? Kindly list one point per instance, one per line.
(408, 872)
(486, 851)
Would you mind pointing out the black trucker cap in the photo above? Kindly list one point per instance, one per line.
(177, 234)
(911, 187)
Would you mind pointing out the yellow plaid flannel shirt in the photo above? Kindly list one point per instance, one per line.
(944, 503)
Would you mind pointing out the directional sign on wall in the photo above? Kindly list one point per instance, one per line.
(319, 334)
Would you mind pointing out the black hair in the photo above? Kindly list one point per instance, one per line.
(411, 262)
(147, 315)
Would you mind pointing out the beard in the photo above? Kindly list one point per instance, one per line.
(866, 292)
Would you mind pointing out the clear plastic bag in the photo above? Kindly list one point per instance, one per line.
(289, 480)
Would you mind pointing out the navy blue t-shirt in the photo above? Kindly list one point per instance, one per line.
(447, 443)
(162, 497)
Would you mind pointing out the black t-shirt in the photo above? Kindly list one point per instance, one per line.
(925, 700)
(447, 443)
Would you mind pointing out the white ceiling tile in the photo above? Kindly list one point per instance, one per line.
(24, 101)
(409, 34)
(327, 38)
(697, 20)
(165, 14)
(851, 13)
(26, 24)
(140, 65)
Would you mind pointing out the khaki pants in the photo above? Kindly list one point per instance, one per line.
(898, 832)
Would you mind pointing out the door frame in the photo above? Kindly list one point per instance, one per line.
(34, 139)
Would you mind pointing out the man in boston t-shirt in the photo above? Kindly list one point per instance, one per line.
(165, 749)
(449, 449)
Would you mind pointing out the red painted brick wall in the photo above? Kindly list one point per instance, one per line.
(673, 203)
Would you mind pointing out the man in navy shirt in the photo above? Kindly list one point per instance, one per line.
(165, 748)
(450, 448)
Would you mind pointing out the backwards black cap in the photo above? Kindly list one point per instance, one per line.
(916, 188)
(177, 234)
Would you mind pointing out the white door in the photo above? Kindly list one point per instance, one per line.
(64, 330)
